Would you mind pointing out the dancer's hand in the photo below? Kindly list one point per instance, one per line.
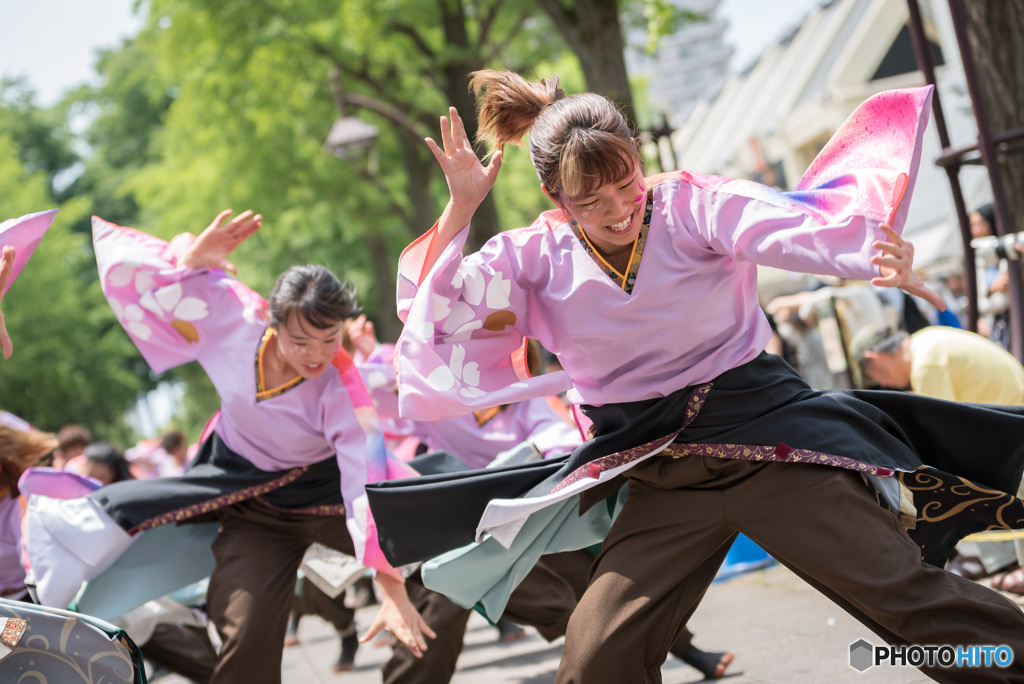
(468, 179)
(6, 268)
(399, 616)
(212, 247)
(896, 265)
(361, 333)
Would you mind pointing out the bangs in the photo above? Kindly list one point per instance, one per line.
(323, 313)
(592, 159)
(315, 295)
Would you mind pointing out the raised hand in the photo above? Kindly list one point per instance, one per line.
(6, 268)
(212, 247)
(469, 180)
(896, 265)
(361, 333)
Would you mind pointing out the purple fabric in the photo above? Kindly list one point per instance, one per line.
(24, 234)
(693, 312)
(477, 445)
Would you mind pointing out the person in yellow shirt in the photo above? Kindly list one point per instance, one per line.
(942, 362)
(957, 365)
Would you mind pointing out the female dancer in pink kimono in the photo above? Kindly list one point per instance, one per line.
(294, 445)
(646, 291)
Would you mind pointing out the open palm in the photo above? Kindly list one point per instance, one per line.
(469, 180)
(212, 247)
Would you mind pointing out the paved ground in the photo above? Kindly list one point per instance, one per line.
(781, 630)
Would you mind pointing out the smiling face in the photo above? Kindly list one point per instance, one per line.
(611, 215)
(305, 349)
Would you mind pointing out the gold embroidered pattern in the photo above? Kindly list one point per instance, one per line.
(262, 393)
(218, 502)
(594, 468)
(627, 280)
(940, 496)
(780, 453)
(322, 510)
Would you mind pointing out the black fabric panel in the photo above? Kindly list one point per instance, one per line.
(764, 403)
(216, 471)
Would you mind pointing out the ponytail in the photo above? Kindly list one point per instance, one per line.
(577, 143)
(509, 104)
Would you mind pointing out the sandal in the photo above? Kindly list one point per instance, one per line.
(291, 634)
(509, 631)
(996, 581)
(347, 658)
(1012, 581)
(711, 665)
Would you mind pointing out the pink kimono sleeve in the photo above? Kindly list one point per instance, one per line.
(863, 177)
(463, 345)
(24, 234)
(171, 313)
(362, 459)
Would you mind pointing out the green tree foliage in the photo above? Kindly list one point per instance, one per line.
(255, 100)
(226, 104)
(125, 114)
(71, 362)
(41, 137)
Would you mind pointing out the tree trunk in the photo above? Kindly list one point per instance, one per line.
(594, 32)
(996, 32)
(388, 326)
(456, 86)
(420, 167)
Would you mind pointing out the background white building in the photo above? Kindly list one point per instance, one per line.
(690, 65)
(768, 122)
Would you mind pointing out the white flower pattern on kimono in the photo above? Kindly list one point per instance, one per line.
(166, 303)
(457, 372)
(464, 317)
(131, 318)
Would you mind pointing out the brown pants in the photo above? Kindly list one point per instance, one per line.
(543, 600)
(823, 523)
(575, 568)
(258, 551)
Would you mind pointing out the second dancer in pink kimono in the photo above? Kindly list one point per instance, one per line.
(646, 291)
(296, 441)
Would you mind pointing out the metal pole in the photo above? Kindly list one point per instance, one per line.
(986, 145)
(924, 61)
